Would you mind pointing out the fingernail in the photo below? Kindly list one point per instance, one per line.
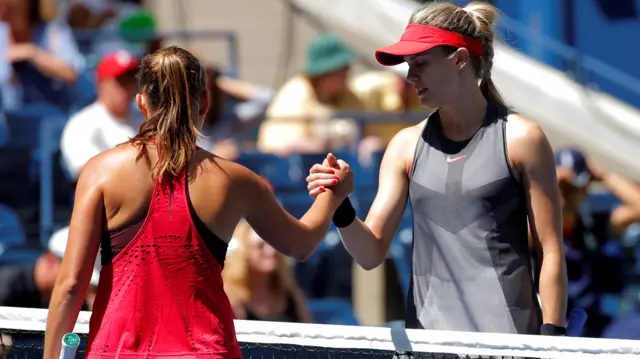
(336, 177)
(322, 189)
(332, 172)
(334, 181)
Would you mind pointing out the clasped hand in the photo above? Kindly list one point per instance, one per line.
(333, 174)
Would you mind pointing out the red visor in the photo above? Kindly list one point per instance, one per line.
(419, 38)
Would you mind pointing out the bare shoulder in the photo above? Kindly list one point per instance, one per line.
(403, 144)
(526, 141)
(109, 165)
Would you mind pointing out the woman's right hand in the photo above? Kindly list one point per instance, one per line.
(332, 173)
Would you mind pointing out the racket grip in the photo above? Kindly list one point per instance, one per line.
(577, 319)
(70, 343)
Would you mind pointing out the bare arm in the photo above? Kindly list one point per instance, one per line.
(533, 157)
(368, 241)
(80, 256)
(54, 67)
(292, 237)
(629, 193)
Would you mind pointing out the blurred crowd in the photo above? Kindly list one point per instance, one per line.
(50, 66)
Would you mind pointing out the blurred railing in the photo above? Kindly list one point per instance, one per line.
(140, 36)
(585, 69)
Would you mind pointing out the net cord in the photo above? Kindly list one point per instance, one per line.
(377, 338)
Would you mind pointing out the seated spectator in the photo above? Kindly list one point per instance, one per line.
(42, 57)
(108, 122)
(592, 247)
(57, 246)
(300, 117)
(259, 282)
(223, 125)
(29, 285)
(385, 91)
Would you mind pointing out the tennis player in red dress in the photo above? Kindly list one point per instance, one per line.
(162, 210)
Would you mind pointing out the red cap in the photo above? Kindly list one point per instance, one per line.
(419, 38)
(116, 64)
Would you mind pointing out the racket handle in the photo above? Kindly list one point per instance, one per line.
(70, 343)
(577, 319)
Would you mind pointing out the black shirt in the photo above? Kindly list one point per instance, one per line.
(18, 287)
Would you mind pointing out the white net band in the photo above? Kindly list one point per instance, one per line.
(381, 339)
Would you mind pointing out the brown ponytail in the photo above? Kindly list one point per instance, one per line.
(173, 82)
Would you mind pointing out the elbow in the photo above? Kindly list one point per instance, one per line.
(370, 265)
(69, 77)
(69, 288)
(303, 254)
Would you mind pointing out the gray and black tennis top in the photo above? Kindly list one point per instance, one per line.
(471, 260)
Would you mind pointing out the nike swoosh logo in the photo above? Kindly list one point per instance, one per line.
(453, 159)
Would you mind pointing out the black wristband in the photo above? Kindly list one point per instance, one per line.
(552, 330)
(345, 214)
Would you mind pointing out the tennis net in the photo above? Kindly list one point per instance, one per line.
(22, 332)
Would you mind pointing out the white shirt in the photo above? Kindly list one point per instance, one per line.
(92, 131)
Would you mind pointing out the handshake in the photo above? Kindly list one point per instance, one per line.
(332, 175)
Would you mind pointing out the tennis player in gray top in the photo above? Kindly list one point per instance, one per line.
(476, 176)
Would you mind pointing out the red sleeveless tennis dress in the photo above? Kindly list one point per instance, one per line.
(162, 296)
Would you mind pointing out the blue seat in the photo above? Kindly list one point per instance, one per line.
(54, 185)
(85, 90)
(24, 124)
(4, 130)
(283, 173)
(327, 273)
(11, 230)
(401, 251)
(602, 202)
(367, 176)
(296, 203)
(16, 255)
(16, 176)
(332, 311)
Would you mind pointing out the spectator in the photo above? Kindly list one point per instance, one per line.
(592, 249)
(57, 246)
(29, 285)
(223, 125)
(385, 91)
(108, 121)
(43, 56)
(259, 282)
(300, 117)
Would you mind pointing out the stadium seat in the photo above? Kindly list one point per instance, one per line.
(296, 203)
(602, 202)
(401, 251)
(328, 272)
(17, 255)
(283, 173)
(11, 230)
(85, 90)
(332, 311)
(24, 124)
(56, 191)
(17, 182)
